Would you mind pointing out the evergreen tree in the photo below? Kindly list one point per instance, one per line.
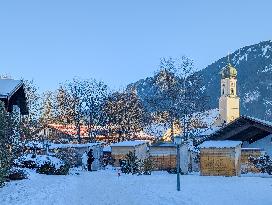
(8, 142)
(130, 164)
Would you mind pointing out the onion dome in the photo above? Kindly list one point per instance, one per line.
(229, 71)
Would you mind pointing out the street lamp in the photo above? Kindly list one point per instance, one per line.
(178, 141)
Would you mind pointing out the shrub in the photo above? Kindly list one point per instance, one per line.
(145, 167)
(29, 164)
(47, 168)
(69, 156)
(63, 170)
(130, 164)
(172, 170)
(50, 169)
(17, 174)
(264, 163)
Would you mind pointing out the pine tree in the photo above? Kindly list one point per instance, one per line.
(8, 142)
(130, 164)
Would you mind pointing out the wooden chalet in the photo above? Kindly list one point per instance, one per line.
(254, 133)
(243, 128)
(12, 93)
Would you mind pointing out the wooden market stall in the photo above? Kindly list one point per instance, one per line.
(220, 158)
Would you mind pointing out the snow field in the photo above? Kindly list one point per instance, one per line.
(106, 188)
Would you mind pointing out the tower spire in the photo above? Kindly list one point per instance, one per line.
(228, 57)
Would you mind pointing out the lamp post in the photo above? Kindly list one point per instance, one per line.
(178, 141)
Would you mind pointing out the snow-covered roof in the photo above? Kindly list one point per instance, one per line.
(63, 146)
(261, 121)
(220, 144)
(164, 144)
(107, 149)
(129, 143)
(9, 86)
(204, 131)
(60, 146)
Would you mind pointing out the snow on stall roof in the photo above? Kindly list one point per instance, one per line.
(220, 144)
(248, 148)
(164, 144)
(107, 149)
(8, 86)
(129, 143)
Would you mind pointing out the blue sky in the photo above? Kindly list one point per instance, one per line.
(120, 42)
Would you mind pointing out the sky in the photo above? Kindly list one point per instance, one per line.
(120, 42)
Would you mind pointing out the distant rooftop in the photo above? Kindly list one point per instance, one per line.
(164, 144)
(129, 143)
(41, 145)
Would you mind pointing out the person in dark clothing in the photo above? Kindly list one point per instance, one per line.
(90, 159)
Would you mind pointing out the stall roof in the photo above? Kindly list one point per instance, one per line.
(129, 143)
(220, 144)
(244, 128)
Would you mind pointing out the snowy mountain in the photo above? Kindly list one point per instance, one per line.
(254, 66)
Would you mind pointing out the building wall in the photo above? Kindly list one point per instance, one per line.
(163, 158)
(265, 144)
(229, 108)
(220, 162)
(78, 152)
(119, 153)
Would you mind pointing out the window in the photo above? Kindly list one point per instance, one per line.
(232, 91)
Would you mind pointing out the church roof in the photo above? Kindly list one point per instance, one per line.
(244, 128)
(229, 71)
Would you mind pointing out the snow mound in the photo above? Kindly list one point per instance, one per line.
(40, 160)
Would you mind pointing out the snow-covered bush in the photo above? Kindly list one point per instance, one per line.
(17, 174)
(130, 165)
(45, 164)
(63, 170)
(35, 161)
(264, 163)
(50, 169)
(69, 156)
(145, 167)
(47, 168)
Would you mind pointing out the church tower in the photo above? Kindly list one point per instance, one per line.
(229, 108)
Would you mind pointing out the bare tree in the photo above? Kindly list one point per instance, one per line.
(178, 96)
(125, 112)
(94, 98)
(48, 113)
(30, 123)
(71, 105)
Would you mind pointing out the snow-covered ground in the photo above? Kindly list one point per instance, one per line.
(106, 188)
